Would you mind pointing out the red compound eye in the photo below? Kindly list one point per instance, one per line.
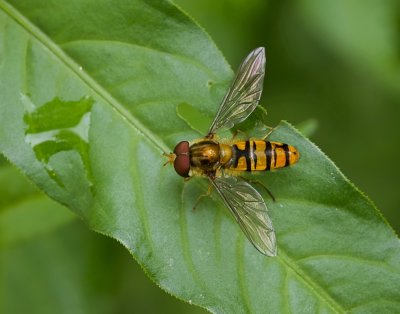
(182, 148)
(182, 161)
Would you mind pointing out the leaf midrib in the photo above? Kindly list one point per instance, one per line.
(71, 65)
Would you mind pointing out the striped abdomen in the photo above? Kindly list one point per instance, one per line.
(261, 155)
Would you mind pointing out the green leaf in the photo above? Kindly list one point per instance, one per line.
(194, 118)
(134, 62)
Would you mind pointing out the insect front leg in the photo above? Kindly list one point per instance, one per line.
(207, 194)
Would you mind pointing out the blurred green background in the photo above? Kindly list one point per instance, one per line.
(335, 61)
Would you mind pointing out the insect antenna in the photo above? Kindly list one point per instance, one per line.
(171, 157)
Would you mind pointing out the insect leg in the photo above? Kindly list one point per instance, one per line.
(269, 132)
(236, 132)
(209, 189)
(187, 179)
(259, 183)
(210, 136)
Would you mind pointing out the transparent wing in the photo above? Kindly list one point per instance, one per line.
(249, 210)
(244, 93)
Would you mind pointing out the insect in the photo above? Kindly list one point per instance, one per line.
(222, 162)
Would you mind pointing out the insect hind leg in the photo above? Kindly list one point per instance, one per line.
(261, 184)
(272, 129)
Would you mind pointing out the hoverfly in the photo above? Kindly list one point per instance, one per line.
(219, 161)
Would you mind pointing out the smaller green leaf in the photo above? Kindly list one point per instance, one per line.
(57, 114)
(194, 118)
(59, 126)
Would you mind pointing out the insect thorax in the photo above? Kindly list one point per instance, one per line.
(204, 155)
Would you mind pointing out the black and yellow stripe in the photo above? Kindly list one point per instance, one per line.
(259, 155)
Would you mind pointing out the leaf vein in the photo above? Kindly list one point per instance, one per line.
(348, 257)
(132, 45)
(241, 273)
(320, 293)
